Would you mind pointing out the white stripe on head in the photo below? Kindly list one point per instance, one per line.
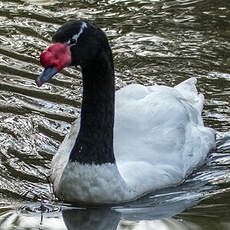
(76, 36)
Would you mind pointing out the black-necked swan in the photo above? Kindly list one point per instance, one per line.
(128, 143)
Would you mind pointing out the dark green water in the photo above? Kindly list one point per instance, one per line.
(161, 41)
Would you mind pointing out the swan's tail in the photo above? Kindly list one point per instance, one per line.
(189, 92)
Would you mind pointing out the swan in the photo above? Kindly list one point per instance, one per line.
(126, 143)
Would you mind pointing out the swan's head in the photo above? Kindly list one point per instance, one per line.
(75, 43)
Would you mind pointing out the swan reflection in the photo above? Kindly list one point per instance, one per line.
(141, 214)
(127, 217)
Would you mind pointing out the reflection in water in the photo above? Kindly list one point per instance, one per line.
(101, 218)
(128, 217)
(162, 42)
(104, 219)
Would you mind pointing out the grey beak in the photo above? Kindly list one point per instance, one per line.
(46, 75)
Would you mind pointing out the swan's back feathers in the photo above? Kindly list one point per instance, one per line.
(188, 87)
(189, 92)
(162, 127)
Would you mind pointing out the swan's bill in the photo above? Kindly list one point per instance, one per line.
(46, 75)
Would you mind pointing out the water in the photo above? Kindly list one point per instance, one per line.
(153, 41)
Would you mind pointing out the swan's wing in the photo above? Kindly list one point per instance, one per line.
(162, 127)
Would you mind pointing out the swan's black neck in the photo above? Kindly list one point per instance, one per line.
(94, 144)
